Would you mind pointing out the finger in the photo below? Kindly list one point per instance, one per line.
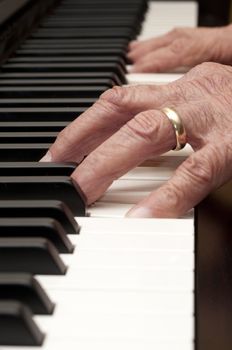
(148, 134)
(141, 48)
(113, 109)
(107, 115)
(162, 60)
(76, 140)
(133, 44)
(203, 171)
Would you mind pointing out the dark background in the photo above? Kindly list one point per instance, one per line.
(214, 12)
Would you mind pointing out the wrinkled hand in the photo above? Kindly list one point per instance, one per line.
(182, 47)
(126, 126)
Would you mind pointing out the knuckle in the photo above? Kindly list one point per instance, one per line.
(178, 93)
(120, 96)
(173, 195)
(113, 94)
(107, 108)
(211, 78)
(178, 46)
(103, 104)
(176, 31)
(205, 68)
(144, 126)
(197, 169)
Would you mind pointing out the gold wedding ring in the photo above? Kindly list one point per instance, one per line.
(178, 127)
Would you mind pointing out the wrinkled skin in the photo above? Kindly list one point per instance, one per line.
(182, 47)
(126, 126)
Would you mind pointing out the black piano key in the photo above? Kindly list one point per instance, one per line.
(60, 188)
(71, 44)
(122, 31)
(36, 227)
(59, 67)
(40, 208)
(47, 102)
(94, 23)
(93, 53)
(51, 92)
(17, 325)
(40, 114)
(36, 169)
(91, 21)
(27, 137)
(84, 33)
(65, 68)
(25, 289)
(76, 43)
(102, 11)
(22, 126)
(20, 152)
(57, 82)
(59, 76)
(104, 2)
(127, 6)
(69, 59)
(32, 255)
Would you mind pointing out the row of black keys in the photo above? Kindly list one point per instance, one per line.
(33, 232)
(76, 54)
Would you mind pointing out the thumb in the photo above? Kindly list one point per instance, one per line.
(203, 171)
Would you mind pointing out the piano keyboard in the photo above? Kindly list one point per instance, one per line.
(119, 283)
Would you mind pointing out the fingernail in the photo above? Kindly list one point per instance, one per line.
(47, 157)
(133, 43)
(139, 212)
(131, 69)
(134, 69)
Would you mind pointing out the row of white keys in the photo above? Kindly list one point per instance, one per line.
(116, 286)
(122, 294)
(164, 16)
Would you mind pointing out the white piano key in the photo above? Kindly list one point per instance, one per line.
(122, 279)
(127, 191)
(102, 209)
(130, 259)
(105, 344)
(72, 302)
(118, 326)
(134, 241)
(108, 210)
(124, 185)
(149, 173)
(139, 226)
(151, 78)
(167, 15)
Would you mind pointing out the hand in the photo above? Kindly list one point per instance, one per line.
(182, 47)
(126, 126)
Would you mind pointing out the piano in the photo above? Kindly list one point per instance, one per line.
(87, 278)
